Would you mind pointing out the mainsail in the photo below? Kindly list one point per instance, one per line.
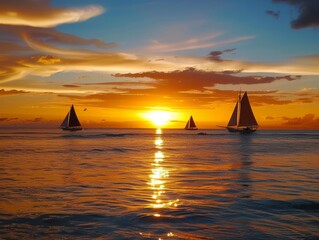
(243, 118)
(190, 125)
(71, 121)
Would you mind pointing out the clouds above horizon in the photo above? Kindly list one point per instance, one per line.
(308, 11)
(40, 13)
(199, 42)
(192, 78)
(28, 48)
(307, 120)
(275, 14)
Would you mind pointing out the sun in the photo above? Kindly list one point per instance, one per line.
(159, 118)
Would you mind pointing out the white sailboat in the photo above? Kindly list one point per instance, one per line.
(71, 121)
(190, 125)
(242, 120)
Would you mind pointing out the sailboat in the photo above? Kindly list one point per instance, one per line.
(71, 121)
(190, 125)
(242, 120)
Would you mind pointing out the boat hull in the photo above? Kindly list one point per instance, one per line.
(193, 128)
(245, 130)
(71, 128)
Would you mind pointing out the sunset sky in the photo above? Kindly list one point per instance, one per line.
(121, 61)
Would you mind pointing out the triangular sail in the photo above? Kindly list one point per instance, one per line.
(74, 121)
(71, 121)
(233, 119)
(246, 116)
(65, 122)
(190, 124)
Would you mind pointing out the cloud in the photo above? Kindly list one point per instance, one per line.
(308, 119)
(192, 78)
(165, 96)
(35, 120)
(194, 43)
(216, 55)
(270, 118)
(70, 86)
(8, 119)
(40, 13)
(308, 13)
(11, 92)
(272, 13)
(48, 60)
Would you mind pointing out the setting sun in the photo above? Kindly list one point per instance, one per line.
(159, 118)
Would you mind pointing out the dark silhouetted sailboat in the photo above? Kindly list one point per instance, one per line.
(242, 120)
(190, 125)
(71, 121)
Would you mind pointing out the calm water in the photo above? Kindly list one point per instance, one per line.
(139, 184)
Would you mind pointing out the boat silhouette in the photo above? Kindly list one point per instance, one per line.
(242, 120)
(71, 121)
(190, 125)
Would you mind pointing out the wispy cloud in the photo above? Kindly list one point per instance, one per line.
(208, 41)
(40, 13)
(272, 13)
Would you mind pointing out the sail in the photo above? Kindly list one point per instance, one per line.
(65, 122)
(233, 119)
(190, 124)
(73, 121)
(246, 115)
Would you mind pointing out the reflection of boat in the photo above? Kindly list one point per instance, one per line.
(242, 120)
(190, 125)
(71, 121)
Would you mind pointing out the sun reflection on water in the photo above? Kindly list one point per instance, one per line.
(158, 178)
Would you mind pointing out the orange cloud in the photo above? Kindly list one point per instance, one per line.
(40, 13)
(48, 60)
(192, 78)
(307, 120)
(11, 92)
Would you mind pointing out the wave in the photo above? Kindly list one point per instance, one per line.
(288, 205)
(100, 135)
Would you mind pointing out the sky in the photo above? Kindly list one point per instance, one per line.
(130, 63)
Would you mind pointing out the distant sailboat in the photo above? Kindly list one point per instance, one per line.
(71, 121)
(242, 120)
(190, 125)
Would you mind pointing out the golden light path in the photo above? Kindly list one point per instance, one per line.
(158, 178)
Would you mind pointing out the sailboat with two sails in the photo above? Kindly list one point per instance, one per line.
(242, 120)
(71, 121)
(190, 125)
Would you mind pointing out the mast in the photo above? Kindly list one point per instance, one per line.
(239, 109)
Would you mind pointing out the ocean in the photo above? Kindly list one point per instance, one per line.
(158, 184)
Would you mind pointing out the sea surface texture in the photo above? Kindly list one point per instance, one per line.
(148, 184)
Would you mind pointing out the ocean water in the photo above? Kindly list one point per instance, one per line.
(148, 184)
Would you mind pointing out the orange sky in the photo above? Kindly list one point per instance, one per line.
(53, 56)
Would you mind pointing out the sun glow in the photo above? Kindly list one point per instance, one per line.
(159, 118)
